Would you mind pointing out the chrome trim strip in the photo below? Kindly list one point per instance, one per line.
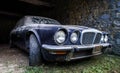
(70, 47)
(94, 38)
(56, 47)
(85, 56)
(91, 30)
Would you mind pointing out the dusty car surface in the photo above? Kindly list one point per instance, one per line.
(45, 38)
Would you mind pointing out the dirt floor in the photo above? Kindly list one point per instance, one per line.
(12, 60)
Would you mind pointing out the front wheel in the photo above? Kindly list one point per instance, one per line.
(34, 51)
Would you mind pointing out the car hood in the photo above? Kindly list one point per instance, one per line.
(68, 27)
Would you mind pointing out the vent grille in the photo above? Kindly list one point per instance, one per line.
(97, 39)
(88, 38)
(91, 38)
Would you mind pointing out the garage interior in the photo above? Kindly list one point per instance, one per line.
(67, 12)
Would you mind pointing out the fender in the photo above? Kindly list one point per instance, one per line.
(36, 34)
(39, 41)
(33, 31)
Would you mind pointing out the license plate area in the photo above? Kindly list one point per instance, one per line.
(97, 49)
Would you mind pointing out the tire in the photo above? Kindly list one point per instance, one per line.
(34, 51)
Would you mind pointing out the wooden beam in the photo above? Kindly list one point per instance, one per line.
(37, 2)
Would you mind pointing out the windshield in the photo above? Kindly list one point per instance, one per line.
(43, 20)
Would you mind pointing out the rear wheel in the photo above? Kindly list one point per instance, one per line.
(34, 51)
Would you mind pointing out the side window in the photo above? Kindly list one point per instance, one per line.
(36, 20)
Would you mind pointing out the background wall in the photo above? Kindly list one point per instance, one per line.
(78, 12)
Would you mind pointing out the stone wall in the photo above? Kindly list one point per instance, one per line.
(114, 25)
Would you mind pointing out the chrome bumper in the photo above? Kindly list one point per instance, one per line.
(71, 50)
(70, 47)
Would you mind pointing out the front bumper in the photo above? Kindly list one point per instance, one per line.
(72, 50)
(70, 47)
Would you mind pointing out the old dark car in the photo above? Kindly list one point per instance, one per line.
(46, 39)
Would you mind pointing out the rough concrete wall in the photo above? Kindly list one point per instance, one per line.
(77, 11)
(59, 11)
(84, 12)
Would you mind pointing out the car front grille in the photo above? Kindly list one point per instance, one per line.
(97, 39)
(91, 38)
(88, 38)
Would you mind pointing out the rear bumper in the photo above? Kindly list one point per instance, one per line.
(72, 51)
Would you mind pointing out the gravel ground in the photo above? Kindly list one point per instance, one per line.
(12, 60)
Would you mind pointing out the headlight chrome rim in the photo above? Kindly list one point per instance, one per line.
(74, 37)
(60, 37)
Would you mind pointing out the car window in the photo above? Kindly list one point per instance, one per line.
(42, 20)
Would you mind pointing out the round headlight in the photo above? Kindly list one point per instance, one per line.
(60, 36)
(74, 37)
(106, 38)
(102, 39)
